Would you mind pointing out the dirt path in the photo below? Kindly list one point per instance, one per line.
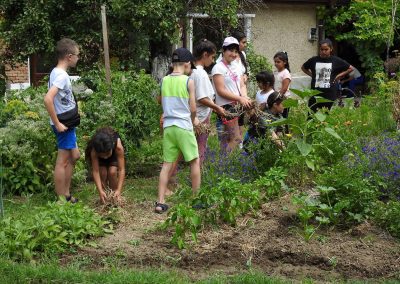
(268, 242)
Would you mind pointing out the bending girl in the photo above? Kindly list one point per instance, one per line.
(105, 154)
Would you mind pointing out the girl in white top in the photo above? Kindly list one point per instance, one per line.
(283, 78)
(230, 90)
(282, 75)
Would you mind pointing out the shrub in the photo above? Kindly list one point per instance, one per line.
(26, 142)
(257, 63)
(50, 229)
(223, 202)
(132, 110)
(354, 191)
(388, 216)
(264, 152)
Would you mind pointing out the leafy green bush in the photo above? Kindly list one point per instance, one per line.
(257, 63)
(223, 202)
(265, 153)
(26, 142)
(388, 216)
(50, 229)
(132, 109)
(352, 188)
(272, 182)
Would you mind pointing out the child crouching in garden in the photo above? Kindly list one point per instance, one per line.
(259, 127)
(105, 155)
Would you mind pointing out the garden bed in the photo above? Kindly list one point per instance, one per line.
(268, 242)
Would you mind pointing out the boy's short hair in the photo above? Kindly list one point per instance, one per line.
(64, 47)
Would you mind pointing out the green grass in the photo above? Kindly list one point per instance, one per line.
(11, 272)
(24, 273)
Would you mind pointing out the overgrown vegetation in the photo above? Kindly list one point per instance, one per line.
(140, 29)
(51, 229)
(369, 26)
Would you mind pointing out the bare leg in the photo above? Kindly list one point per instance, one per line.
(234, 137)
(113, 177)
(103, 176)
(63, 170)
(195, 175)
(73, 158)
(163, 182)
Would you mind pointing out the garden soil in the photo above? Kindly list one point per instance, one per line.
(269, 242)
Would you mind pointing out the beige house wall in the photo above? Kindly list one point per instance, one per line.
(285, 27)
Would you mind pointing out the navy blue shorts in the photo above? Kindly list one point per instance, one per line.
(66, 140)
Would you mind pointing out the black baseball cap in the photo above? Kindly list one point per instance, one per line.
(183, 55)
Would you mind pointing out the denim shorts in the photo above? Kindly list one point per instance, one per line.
(66, 140)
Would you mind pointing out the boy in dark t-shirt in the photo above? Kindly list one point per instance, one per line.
(325, 70)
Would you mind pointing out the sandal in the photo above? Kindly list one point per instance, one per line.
(164, 208)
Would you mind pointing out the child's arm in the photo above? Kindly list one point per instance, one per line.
(277, 140)
(243, 87)
(192, 102)
(285, 86)
(96, 176)
(223, 92)
(207, 102)
(121, 169)
(49, 104)
(344, 73)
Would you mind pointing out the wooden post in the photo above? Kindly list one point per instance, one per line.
(106, 49)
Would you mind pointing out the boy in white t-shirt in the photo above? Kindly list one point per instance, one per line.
(204, 54)
(59, 99)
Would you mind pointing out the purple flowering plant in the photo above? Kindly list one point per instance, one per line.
(382, 162)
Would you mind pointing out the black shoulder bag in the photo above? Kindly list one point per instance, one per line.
(70, 118)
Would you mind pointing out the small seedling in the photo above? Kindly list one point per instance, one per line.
(134, 242)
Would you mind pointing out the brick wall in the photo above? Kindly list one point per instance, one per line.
(17, 74)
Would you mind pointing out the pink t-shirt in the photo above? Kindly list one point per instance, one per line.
(279, 77)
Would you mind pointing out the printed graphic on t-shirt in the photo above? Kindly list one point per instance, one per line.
(67, 97)
(323, 75)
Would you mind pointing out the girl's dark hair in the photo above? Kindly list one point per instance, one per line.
(239, 36)
(202, 46)
(273, 98)
(326, 41)
(282, 55)
(102, 141)
(266, 78)
(231, 47)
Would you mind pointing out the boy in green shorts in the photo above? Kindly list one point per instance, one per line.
(179, 107)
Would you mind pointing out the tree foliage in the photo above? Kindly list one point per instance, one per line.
(136, 28)
(369, 25)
